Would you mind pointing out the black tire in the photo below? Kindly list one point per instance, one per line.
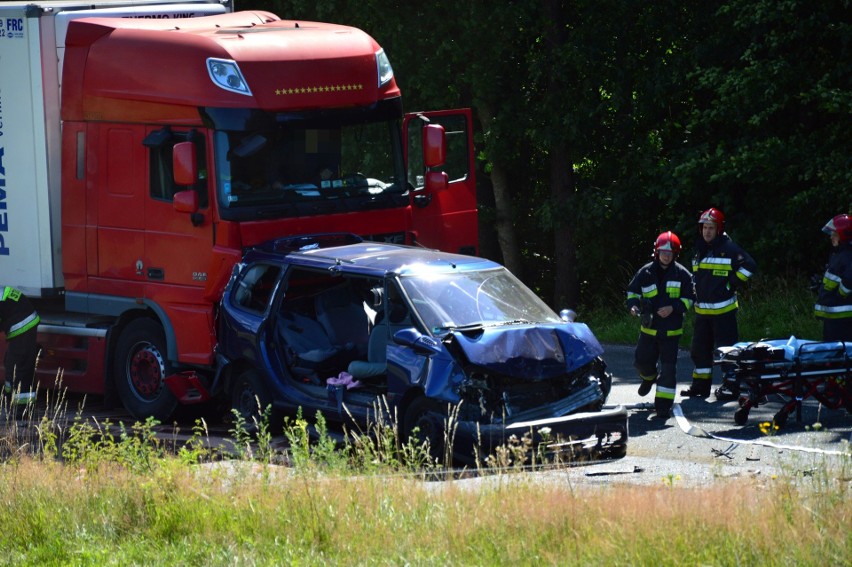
(249, 398)
(780, 419)
(140, 368)
(424, 421)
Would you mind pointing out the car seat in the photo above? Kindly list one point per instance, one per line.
(377, 352)
(307, 347)
(341, 313)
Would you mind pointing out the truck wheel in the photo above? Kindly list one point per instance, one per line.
(424, 421)
(250, 398)
(140, 369)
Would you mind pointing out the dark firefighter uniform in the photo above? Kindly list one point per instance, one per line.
(653, 287)
(719, 268)
(834, 301)
(19, 321)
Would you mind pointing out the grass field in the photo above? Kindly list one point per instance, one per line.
(247, 513)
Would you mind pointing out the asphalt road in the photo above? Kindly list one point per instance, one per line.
(664, 452)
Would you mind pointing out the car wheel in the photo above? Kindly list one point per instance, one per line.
(249, 398)
(424, 421)
(140, 369)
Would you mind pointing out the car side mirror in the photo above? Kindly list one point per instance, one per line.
(420, 343)
(568, 315)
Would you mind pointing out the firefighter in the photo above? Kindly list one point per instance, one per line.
(719, 267)
(834, 302)
(19, 321)
(661, 293)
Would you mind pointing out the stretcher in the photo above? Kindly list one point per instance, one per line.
(793, 369)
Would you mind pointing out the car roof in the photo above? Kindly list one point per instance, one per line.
(377, 259)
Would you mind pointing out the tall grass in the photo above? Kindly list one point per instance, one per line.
(769, 309)
(57, 514)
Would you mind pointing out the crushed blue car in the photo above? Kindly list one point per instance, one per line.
(333, 324)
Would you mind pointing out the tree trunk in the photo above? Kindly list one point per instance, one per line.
(505, 226)
(566, 288)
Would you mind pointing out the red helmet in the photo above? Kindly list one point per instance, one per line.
(713, 215)
(667, 241)
(842, 225)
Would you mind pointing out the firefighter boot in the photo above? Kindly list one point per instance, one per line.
(662, 407)
(645, 386)
(664, 399)
(698, 389)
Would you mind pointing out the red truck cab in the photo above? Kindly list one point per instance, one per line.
(186, 141)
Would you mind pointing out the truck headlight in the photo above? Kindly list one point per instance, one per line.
(384, 67)
(226, 74)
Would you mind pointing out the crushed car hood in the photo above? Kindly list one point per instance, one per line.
(530, 351)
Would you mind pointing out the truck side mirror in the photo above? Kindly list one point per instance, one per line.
(436, 181)
(434, 145)
(186, 201)
(184, 164)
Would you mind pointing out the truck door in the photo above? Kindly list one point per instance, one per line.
(178, 247)
(177, 244)
(445, 218)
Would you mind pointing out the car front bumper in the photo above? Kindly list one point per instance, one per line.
(585, 435)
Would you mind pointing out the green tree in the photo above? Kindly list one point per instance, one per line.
(603, 123)
(768, 137)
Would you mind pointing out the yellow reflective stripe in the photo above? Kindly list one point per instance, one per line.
(702, 373)
(832, 312)
(711, 263)
(11, 293)
(22, 327)
(686, 303)
(829, 277)
(649, 291)
(673, 289)
(744, 274)
(716, 308)
(667, 393)
(653, 332)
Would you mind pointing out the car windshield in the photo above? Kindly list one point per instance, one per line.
(297, 170)
(471, 299)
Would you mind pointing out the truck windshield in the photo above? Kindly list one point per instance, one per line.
(301, 169)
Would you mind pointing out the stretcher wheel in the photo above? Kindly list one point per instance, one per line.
(741, 416)
(780, 418)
